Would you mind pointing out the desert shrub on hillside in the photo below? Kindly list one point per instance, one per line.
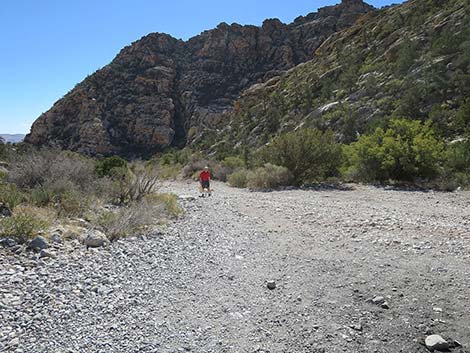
(309, 154)
(105, 167)
(268, 177)
(406, 150)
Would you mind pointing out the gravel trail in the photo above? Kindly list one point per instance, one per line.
(200, 285)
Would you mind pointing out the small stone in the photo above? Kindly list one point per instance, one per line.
(14, 342)
(56, 238)
(17, 249)
(357, 327)
(438, 310)
(385, 305)
(271, 285)
(38, 243)
(8, 242)
(45, 253)
(436, 342)
(378, 300)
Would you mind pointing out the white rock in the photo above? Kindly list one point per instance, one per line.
(436, 342)
(95, 239)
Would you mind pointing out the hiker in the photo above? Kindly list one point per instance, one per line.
(204, 180)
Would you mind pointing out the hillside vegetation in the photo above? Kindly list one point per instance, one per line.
(406, 63)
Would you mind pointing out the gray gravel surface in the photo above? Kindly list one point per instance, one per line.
(201, 284)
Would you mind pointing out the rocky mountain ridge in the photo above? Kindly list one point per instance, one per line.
(407, 61)
(161, 91)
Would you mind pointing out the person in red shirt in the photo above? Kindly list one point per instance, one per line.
(205, 179)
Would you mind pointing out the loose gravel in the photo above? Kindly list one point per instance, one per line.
(282, 271)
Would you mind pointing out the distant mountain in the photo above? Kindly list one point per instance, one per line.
(161, 92)
(12, 138)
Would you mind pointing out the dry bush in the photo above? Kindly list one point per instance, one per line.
(138, 217)
(169, 201)
(268, 177)
(131, 185)
(129, 220)
(48, 167)
(196, 164)
(239, 178)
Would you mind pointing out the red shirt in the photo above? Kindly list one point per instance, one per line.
(205, 175)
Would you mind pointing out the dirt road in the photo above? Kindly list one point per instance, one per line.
(201, 285)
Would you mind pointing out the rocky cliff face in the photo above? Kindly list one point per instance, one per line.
(161, 91)
(406, 61)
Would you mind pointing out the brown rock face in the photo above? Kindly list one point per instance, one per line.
(159, 87)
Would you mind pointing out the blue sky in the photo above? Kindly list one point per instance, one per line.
(48, 46)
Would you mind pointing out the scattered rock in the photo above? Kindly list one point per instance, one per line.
(271, 285)
(17, 249)
(56, 238)
(357, 327)
(5, 211)
(14, 342)
(378, 300)
(38, 243)
(8, 242)
(385, 305)
(187, 198)
(436, 342)
(45, 254)
(95, 239)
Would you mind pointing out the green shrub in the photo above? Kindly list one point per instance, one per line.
(169, 172)
(233, 163)
(105, 166)
(406, 150)
(169, 202)
(309, 154)
(22, 227)
(239, 178)
(41, 196)
(10, 195)
(138, 217)
(457, 156)
(268, 177)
